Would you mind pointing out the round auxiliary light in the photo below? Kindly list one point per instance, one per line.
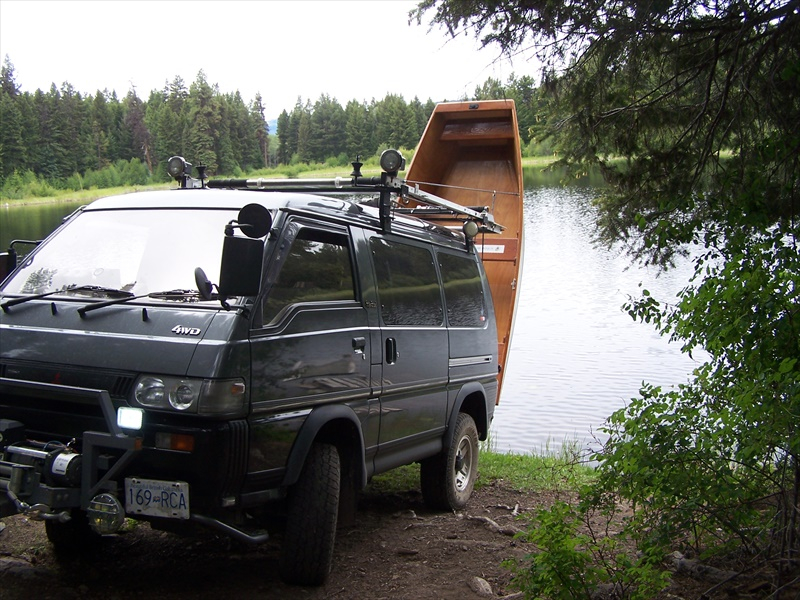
(177, 167)
(106, 514)
(392, 161)
(470, 229)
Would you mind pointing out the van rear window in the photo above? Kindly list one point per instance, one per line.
(407, 284)
(463, 291)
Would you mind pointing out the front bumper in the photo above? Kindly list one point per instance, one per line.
(45, 479)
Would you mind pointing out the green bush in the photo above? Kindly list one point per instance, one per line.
(26, 185)
(711, 467)
(579, 554)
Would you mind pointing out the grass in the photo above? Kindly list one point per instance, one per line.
(84, 196)
(526, 472)
(538, 161)
(535, 472)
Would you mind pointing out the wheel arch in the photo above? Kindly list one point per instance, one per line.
(337, 425)
(471, 400)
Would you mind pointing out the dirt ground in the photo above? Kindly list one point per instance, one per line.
(398, 549)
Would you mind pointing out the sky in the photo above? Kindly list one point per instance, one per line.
(349, 50)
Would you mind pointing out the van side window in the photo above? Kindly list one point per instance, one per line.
(407, 284)
(463, 291)
(317, 269)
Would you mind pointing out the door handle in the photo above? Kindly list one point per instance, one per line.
(359, 344)
(391, 351)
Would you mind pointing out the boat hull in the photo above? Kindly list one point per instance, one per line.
(470, 154)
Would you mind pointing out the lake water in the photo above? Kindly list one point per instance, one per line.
(575, 356)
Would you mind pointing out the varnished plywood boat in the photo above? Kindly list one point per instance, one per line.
(470, 154)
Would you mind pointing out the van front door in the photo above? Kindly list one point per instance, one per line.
(314, 345)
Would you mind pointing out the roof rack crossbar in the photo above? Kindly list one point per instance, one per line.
(363, 185)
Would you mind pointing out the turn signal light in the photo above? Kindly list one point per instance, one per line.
(175, 441)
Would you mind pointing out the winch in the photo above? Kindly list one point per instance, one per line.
(45, 481)
(25, 464)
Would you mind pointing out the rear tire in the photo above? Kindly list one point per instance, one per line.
(311, 520)
(447, 479)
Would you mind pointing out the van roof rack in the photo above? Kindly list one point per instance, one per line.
(385, 185)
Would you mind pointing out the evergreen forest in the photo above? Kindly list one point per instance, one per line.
(63, 139)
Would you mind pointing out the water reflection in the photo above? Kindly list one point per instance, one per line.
(537, 177)
(31, 222)
(575, 356)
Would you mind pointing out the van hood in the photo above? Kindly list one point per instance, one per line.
(50, 341)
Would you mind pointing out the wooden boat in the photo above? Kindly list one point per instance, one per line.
(470, 154)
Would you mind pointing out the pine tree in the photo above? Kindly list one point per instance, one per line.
(261, 128)
(283, 138)
(8, 84)
(328, 126)
(13, 150)
(100, 124)
(358, 131)
(140, 144)
(202, 124)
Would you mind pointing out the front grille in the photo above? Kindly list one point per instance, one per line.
(62, 411)
(118, 385)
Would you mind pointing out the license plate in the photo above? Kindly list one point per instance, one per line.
(169, 499)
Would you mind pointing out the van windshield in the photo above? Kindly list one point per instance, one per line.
(135, 251)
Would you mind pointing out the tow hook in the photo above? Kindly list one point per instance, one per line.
(38, 512)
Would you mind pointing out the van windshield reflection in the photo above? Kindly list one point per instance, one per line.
(126, 253)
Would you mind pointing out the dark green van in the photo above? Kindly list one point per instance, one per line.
(224, 356)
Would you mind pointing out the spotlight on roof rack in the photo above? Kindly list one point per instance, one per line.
(470, 229)
(177, 167)
(392, 161)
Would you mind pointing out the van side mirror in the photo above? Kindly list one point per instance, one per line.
(254, 221)
(242, 258)
(240, 271)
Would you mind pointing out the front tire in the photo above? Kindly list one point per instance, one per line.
(73, 536)
(311, 520)
(447, 479)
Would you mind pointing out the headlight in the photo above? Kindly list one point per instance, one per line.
(183, 396)
(150, 391)
(177, 167)
(197, 396)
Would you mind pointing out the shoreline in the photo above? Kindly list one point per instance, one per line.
(90, 195)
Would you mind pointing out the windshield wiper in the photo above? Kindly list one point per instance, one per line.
(71, 288)
(182, 295)
(117, 296)
(105, 291)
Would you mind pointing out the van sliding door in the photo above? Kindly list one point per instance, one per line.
(415, 351)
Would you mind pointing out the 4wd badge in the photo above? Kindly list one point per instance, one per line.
(182, 330)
